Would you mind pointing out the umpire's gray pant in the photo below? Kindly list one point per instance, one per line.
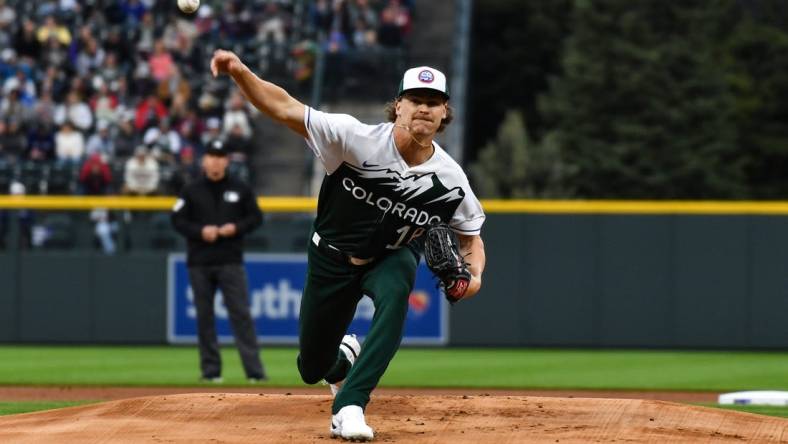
(231, 279)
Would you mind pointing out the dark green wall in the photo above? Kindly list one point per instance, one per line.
(83, 297)
(551, 280)
(8, 296)
(630, 280)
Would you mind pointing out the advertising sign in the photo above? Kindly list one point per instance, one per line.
(276, 282)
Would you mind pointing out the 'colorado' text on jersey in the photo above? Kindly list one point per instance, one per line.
(371, 200)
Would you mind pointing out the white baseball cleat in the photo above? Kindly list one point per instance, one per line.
(349, 424)
(351, 348)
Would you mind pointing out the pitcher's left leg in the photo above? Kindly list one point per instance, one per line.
(389, 285)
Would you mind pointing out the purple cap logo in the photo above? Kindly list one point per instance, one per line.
(426, 76)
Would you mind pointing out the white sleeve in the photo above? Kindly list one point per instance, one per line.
(329, 136)
(469, 216)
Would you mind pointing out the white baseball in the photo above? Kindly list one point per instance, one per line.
(188, 6)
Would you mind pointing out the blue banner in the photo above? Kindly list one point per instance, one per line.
(276, 282)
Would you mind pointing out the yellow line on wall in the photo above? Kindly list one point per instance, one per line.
(285, 204)
(634, 207)
(163, 203)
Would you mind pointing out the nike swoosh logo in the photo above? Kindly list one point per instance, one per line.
(368, 165)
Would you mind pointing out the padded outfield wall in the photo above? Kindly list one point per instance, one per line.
(596, 274)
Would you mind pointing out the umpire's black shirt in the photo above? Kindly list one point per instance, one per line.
(205, 202)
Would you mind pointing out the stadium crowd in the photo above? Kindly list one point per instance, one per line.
(114, 96)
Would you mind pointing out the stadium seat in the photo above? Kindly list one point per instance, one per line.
(61, 179)
(117, 169)
(240, 171)
(59, 229)
(6, 176)
(258, 240)
(33, 176)
(162, 235)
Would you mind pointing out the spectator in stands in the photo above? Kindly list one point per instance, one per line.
(127, 137)
(51, 29)
(238, 145)
(110, 70)
(149, 112)
(82, 87)
(336, 42)
(187, 170)
(55, 54)
(213, 130)
(69, 144)
(5, 153)
(90, 62)
(44, 108)
(104, 102)
(321, 15)
(177, 91)
(237, 116)
(120, 88)
(12, 107)
(24, 218)
(147, 34)
(23, 85)
(13, 140)
(56, 82)
(105, 229)
(141, 175)
(187, 55)
(41, 142)
(134, 11)
(116, 43)
(26, 43)
(360, 10)
(191, 128)
(101, 142)
(7, 15)
(75, 111)
(91, 57)
(8, 63)
(272, 25)
(95, 176)
(394, 24)
(209, 102)
(164, 141)
(364, 36)
(161, 63)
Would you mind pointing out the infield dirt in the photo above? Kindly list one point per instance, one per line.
(258, 418)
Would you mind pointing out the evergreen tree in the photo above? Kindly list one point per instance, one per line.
(643, 109)
(759, 79)
(515, 46)
(513, 166)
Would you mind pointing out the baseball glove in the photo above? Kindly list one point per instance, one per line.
(442, 254)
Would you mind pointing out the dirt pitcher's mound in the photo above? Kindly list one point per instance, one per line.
(242, 418)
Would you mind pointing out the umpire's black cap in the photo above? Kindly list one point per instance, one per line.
(216, 148)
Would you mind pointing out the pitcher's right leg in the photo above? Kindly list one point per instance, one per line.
(327, 308)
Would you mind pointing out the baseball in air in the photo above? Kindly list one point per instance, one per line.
(188, 6)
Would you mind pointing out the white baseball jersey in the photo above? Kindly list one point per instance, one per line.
(371, 200)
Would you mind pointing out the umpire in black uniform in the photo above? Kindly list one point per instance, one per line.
(214, 213)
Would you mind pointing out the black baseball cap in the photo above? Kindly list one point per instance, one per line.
(216, 148)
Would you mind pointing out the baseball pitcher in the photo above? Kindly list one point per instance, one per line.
(389, 194)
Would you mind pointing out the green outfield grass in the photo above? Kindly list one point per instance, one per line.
(12, 408)
(421, 367)
(757, 409)
(412, 367)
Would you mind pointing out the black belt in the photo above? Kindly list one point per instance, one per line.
(336, 253)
